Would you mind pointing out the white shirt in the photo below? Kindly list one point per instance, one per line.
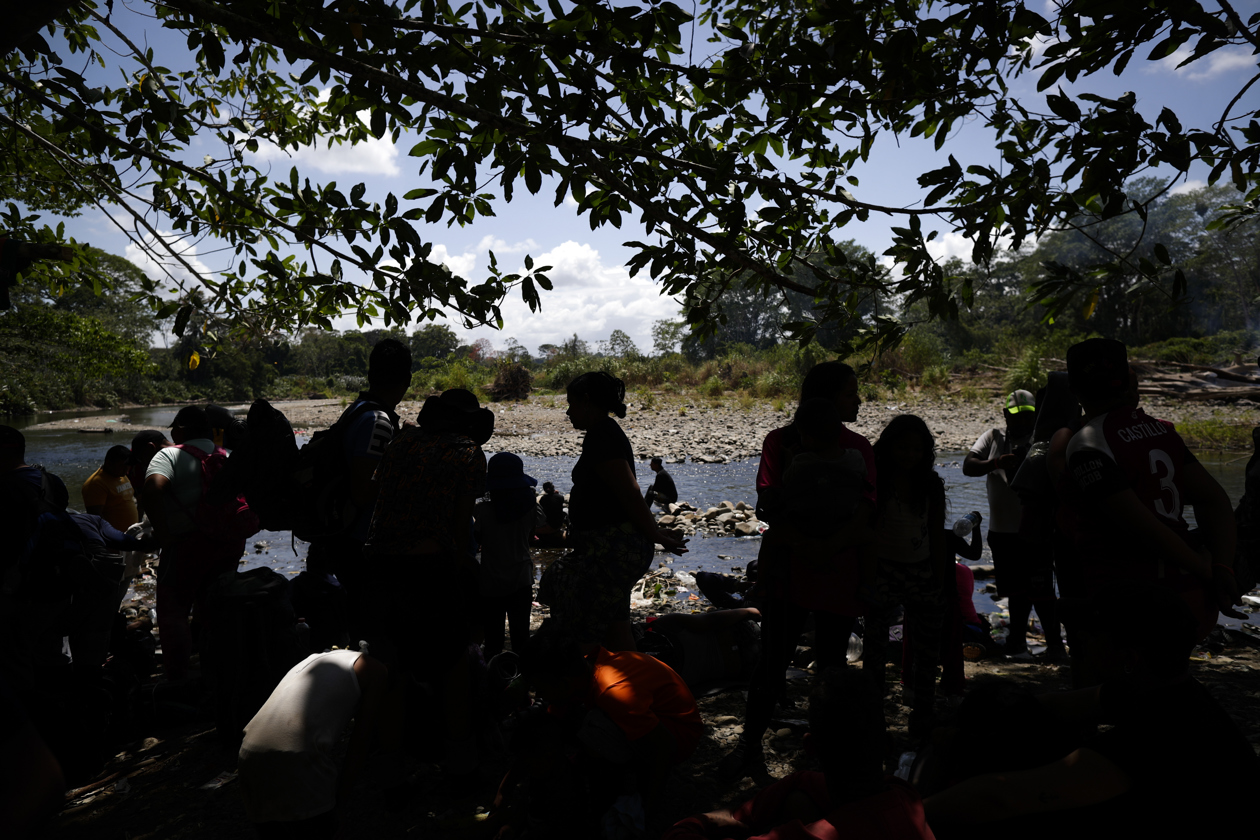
(184, 473)
(1005, 508)
(286, 760)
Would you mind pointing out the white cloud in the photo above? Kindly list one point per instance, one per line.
(371, 157)
(588, 298)
(1217, 64)
(459, 264)
(493, 243)
(951, 244)
(1188, 186)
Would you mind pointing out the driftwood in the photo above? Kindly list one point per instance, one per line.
(1220, 373)
(1204, 393)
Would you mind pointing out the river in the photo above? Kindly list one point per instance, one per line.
(74, 456)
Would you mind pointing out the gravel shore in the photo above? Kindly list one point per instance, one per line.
(691, 427)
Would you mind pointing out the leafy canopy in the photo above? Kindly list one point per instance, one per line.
(606, 104)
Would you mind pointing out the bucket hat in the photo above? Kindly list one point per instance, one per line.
(457, 410)
(505, 471)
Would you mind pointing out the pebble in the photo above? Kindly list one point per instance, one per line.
(724, 719)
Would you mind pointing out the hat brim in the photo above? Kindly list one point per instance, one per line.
(511, 482)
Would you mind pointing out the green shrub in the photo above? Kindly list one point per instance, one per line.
(920, 350)
(713, 387)
(1217, 434)
(935, 378)
(1027, 373)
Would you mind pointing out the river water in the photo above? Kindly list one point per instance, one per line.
(74, 456)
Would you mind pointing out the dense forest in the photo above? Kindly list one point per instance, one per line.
(67, 347)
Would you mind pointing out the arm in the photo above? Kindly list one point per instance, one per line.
(1056, 458)
(617, 475)
(1083, 778)
(373, 679)
(156, 488)
(1215, 516)
(363, 488)
(942, 560)
(974, 465)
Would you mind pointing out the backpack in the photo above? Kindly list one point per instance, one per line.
(253, 642)
(220, 515)
(307, 490)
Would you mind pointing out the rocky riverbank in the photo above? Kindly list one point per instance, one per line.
(694, 428)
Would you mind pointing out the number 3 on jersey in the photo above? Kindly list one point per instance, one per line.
(1162, 469)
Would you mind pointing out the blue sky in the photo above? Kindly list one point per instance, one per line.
(594, 293)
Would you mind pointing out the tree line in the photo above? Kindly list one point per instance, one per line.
(68, 346)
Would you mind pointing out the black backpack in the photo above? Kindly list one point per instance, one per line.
(307, 490)
(253, 642)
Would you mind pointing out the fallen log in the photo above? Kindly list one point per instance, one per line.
(1225, 394)
(1220, 373)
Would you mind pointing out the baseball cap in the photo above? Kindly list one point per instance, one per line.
(1020, 401)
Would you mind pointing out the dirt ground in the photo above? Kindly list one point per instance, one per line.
(162, 785)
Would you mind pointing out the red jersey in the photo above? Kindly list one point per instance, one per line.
(832, 588)
(1126, 449)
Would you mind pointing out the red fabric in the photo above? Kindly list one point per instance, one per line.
(196, 562)
(965, 579)
(638, 692)
(894, 814)
(833, 586)
(1150, 455)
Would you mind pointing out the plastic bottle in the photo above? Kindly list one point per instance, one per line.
(964, 526)
(905, 765)
(854, 653)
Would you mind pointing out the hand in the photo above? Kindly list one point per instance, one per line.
(1226, 590)
(1006, 462)
(670, 541)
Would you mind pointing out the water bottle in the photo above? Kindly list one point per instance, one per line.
(904, 765)
(854, 653)
(964, 526)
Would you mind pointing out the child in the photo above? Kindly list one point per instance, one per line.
(851, 797)
(911, 562)
(504, 526)
(962, 625)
